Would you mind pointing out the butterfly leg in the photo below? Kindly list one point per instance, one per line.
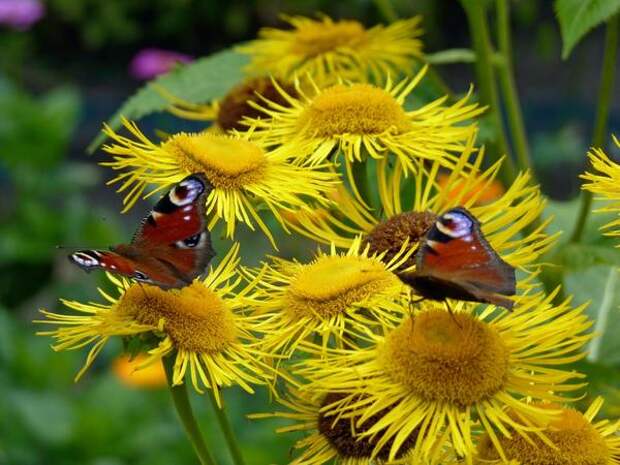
(411, 303)
(452, 314)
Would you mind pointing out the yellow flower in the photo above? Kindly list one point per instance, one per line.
(132, 372)
(326, 49)
(409, 207)
(228, 113)
(439, 374)
(331, 297)
(577, 439)
(244, 175)
(329, 440)
(361, 121)
(202, 326)
(605, 181)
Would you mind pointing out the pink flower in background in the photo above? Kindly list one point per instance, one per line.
(151, 62)
(20, 14)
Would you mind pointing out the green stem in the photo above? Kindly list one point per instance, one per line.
(359, 172)
(487, 86)
(229, 434)
(387, 10)
(184, 410)
(602, 114)
(509, 90)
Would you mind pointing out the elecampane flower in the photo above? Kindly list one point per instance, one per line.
(439, 375)
(576, 437)
(410, 205)
(354, 122)
(333, 441)
(605, 182)
(202, 326)
(244, 175)
(229, 112)
(326, 49)
(335, 294)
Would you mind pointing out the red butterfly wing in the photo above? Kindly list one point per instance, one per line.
(171, 247)
(455, 252)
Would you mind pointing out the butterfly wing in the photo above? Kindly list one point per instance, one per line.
(175, 232)
(172, 245)
(456, 254)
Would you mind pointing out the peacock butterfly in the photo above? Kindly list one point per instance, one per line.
(455, 261)
(171, 247)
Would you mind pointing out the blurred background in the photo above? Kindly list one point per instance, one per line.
(65, 67)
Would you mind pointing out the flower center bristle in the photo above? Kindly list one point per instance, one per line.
(456, 359)
(360, 109)
(347, 442)
(236, 105)
(312, 39)
(390, 235)
(333, 283)
(195, 318)
(577, 441)
(227, 162)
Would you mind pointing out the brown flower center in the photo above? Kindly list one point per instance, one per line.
(236, 105)
(390, 235)
(346, 439)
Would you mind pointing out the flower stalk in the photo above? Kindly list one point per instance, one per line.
(183, 407)
(505, 72)
(602, 114)
(487, 86)
(229, 434)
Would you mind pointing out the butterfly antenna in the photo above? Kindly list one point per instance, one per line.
(456, 322)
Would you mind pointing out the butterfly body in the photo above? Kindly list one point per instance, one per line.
(172, 245)
(455, 261)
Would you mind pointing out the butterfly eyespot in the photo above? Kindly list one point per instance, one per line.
(139, 276)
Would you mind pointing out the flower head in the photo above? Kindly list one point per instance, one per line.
(332, 440)
(133, 372)
(201, 325)
(327, 49)
(361, 121)
(410, 205)
(605, 181)
(228, 113)
(576, 438)
(437, 373)
(151, 62)
(335, 294)
(242, 173)
(21, 14)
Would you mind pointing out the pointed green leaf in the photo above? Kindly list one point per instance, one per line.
(578, 17)
(198, 82)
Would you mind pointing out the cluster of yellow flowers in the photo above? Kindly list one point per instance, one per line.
(324, 139)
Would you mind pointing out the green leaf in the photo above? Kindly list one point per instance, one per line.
(198, 82)
(452, 55)
(578, 17)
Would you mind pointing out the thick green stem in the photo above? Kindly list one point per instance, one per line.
(387, 10)
(602, 115)
(229, 434)
(184, 410)
(487, 86)
(509, 89)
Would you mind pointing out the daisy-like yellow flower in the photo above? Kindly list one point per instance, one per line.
(605, 182)
(333, 441)
(202, 326)
(409, 207)
(439, 374)
(326, 49)
(335, 294)
(244, 175)
(360, 121)
(577, 438)
(228, 113)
